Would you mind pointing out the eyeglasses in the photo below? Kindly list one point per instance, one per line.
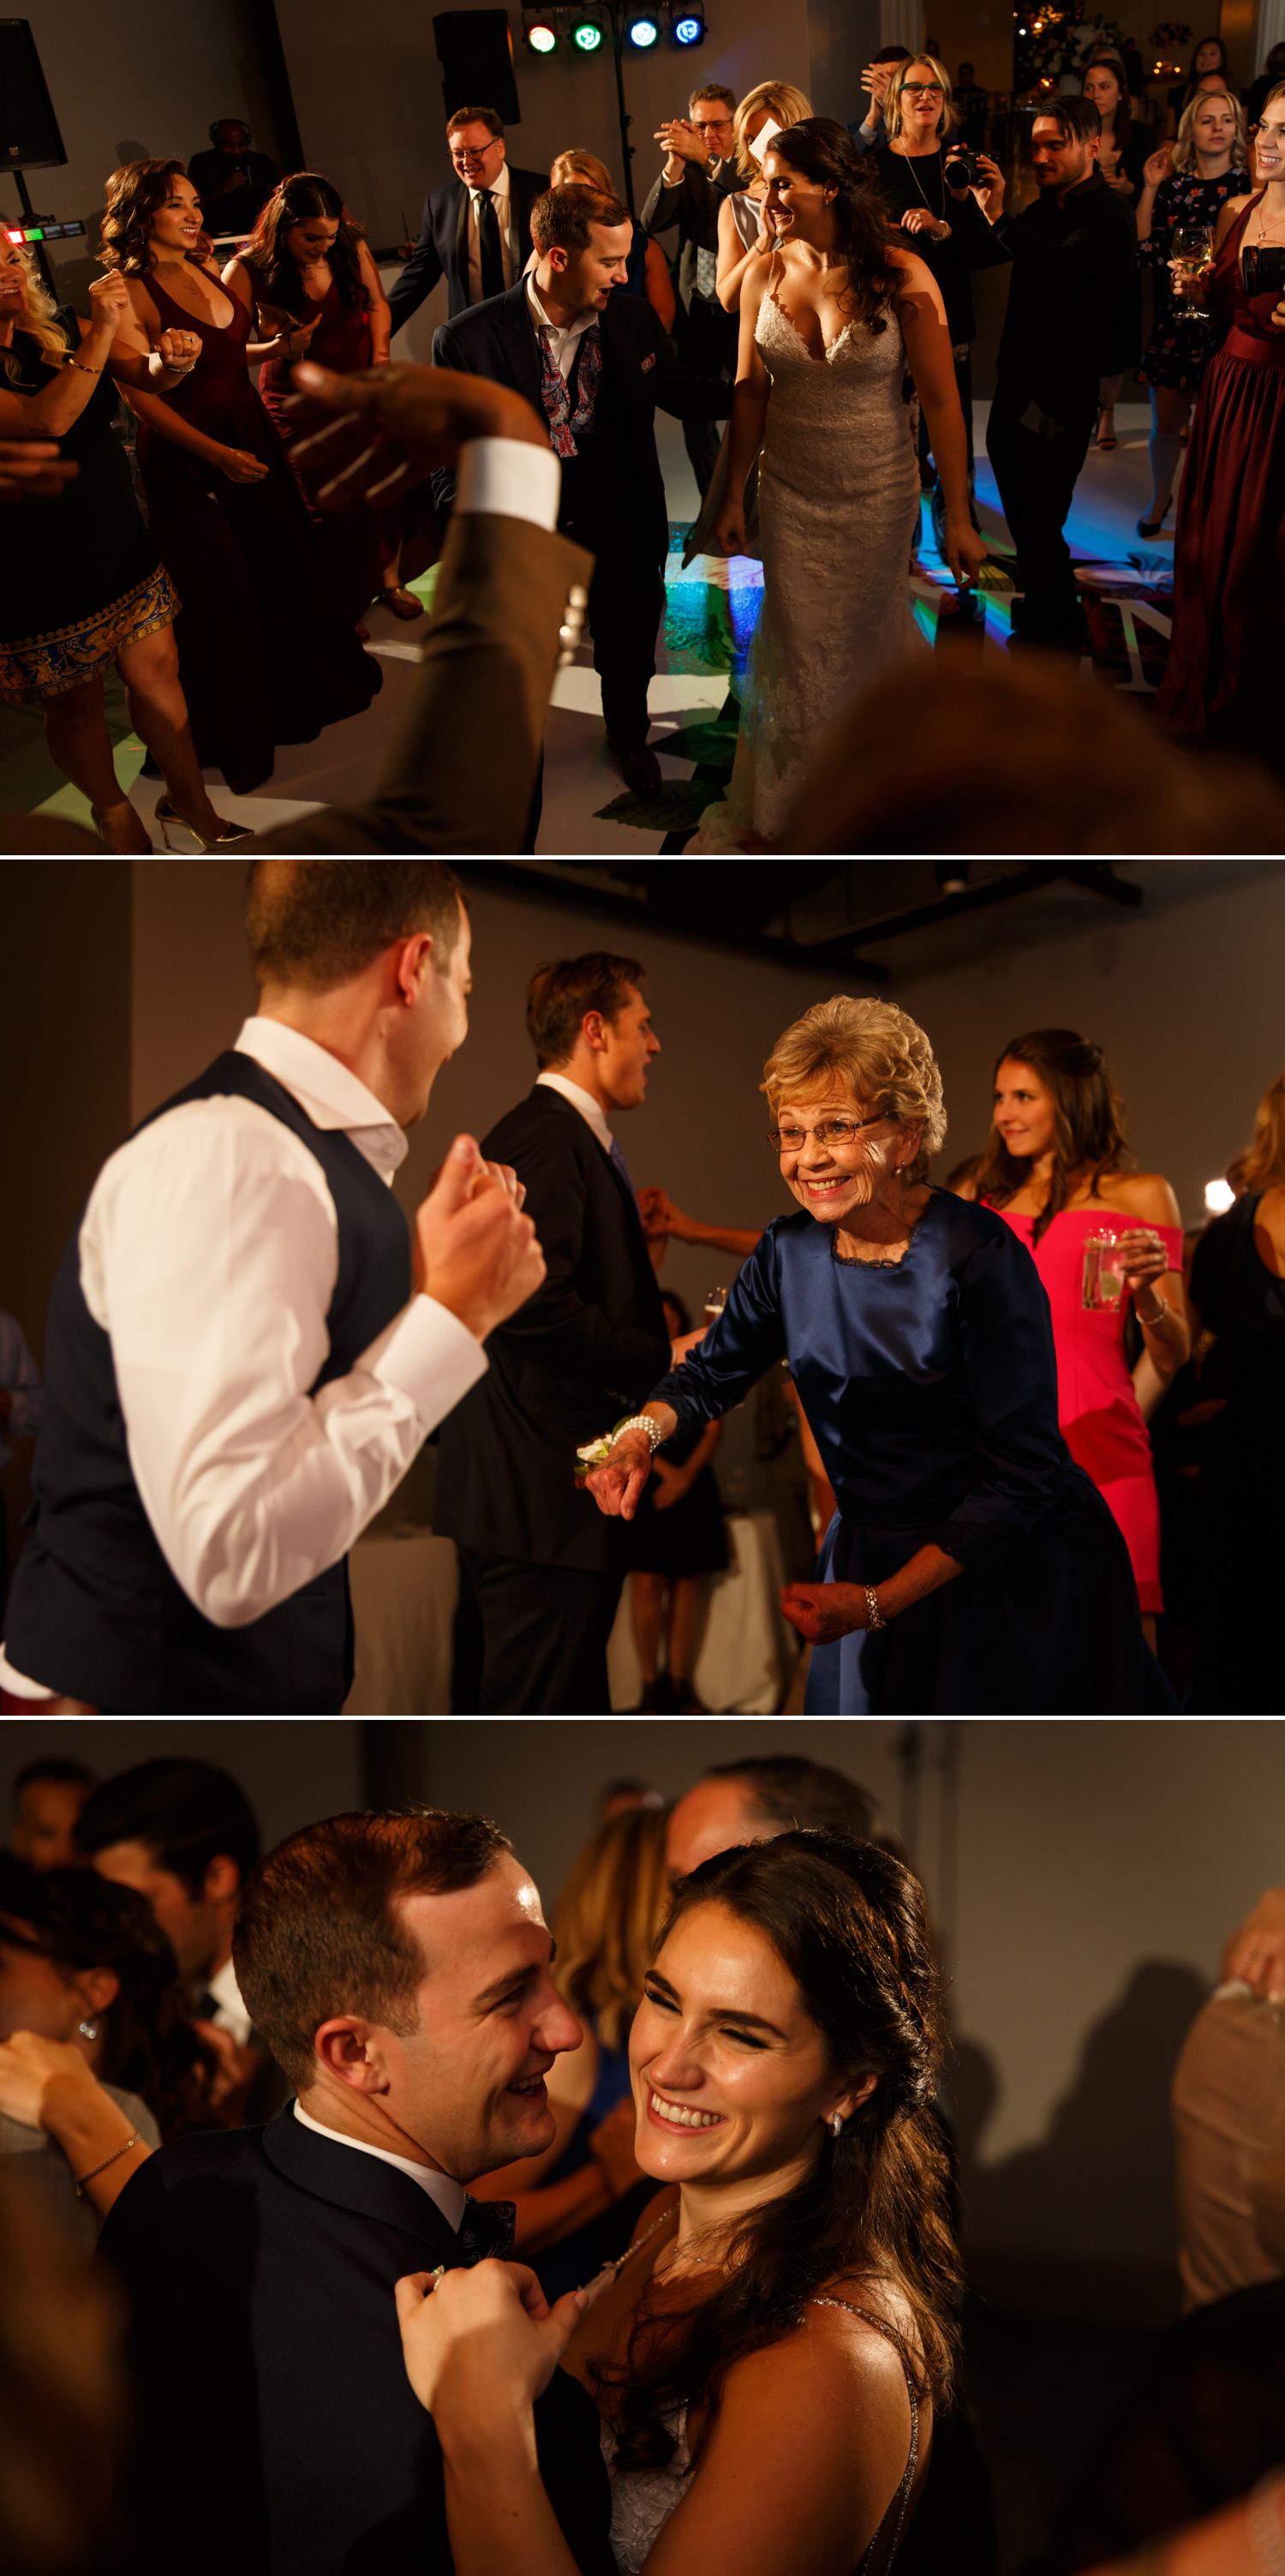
(922, 89)
(830, 1131)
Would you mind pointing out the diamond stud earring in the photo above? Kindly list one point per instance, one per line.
(87, 2029)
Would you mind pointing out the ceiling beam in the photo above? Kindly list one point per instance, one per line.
(974, 898)
(510, 876)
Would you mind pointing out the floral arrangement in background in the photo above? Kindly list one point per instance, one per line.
(1171, 38)
(1052, 43)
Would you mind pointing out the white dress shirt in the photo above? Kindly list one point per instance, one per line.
(583, 1101)
(448, 2195)
(208, 1253)
(229, 2012)
(500, 192)
(565, 334)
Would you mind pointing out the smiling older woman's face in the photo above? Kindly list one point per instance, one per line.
(837, 1152)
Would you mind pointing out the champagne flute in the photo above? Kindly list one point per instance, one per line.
(1193, 255)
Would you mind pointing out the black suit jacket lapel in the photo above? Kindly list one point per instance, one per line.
(360, 2183)
(461, 243)
(522, 348)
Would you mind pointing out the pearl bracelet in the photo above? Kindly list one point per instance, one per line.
(641, 1422)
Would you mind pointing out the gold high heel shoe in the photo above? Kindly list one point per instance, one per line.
(225, 840)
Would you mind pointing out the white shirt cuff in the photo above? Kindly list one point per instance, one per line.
(510, 480)
(429, 1356)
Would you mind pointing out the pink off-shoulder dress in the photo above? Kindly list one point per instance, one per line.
(1097, 1409)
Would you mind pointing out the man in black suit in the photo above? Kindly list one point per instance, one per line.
(399, 1966)
(476, 230)
(541, 1571)
(594, 364)
(699, 171)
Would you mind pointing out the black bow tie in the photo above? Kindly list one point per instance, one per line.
(486, 2229)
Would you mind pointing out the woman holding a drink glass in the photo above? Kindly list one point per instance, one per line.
(1185, 187)
(1227, 649)
(1105, 1241)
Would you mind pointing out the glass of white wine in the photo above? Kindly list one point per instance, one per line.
(1193, 254)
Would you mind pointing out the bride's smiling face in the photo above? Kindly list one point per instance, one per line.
(730, 2075)
(800, 207)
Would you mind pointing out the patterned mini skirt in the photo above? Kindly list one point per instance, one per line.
(64, 657)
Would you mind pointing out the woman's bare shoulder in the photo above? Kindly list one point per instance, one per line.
(1144, 1194)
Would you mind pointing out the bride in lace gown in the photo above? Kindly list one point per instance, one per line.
(768, 2355)
(829, 333)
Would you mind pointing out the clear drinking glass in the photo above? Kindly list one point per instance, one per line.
(715, 1301)
(1101, 1281)
(1193, 253)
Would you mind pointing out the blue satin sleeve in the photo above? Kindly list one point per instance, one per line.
(1010, 1374)
(737, 1351)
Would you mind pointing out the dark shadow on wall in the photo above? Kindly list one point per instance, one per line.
(1095, 2196)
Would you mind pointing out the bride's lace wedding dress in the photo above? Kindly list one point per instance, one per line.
(838, 500)
(642, 2500)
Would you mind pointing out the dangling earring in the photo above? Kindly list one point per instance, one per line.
(87, 2029)
(836, 2124)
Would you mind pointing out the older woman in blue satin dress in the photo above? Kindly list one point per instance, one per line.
(970, 1568)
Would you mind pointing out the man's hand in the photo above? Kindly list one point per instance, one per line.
(387, 429)
(617, 1485)
(684, 142)
(477, 2335)
(31, 469)
(474, 1250)
(1256, 1950)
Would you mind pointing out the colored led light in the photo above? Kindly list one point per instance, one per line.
(588, 36)
(688, 31)
(644, 33)
(541, 38)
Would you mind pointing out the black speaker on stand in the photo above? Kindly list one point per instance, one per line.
(29, 136)
(475, 50)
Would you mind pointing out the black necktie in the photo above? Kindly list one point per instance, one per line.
(490, 257)
(486, 2229)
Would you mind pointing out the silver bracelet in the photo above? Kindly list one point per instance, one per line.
(1263, 2527)
(641, 1422)
(875, 1617)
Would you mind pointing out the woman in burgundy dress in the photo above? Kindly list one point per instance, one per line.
(1052, 1170)
(1227, 650)
(312, 290)
(264, 656)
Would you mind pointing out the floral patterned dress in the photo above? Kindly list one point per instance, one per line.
(1178, 352)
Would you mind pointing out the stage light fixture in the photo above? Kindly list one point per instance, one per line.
(587, 35)
(689, 27)
(541, 36)
(644, 33)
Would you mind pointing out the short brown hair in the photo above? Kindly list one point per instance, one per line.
(561, 218)
(318, 1931)
(475, 116)
(713, 89)
(135, 193)
(559, 995)
(317, 922)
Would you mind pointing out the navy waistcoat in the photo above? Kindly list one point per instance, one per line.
(95, 1610)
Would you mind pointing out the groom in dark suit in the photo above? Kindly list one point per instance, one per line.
(595, 364)
(398, 1965)
(476, 229)
(540, 1570)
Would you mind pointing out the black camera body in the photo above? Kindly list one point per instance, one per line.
(961, 172)
(1263, 268)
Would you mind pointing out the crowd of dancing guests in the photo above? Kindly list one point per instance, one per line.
(233, 604)
(586, 2251)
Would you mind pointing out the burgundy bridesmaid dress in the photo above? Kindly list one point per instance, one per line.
(354, 545)
(1227, 651)
(265, 656)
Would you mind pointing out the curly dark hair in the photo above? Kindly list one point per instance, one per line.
(77, 1920)
(849, 1923)
(823, 150)
(301, 198)
(1089, 1121)
(135, 193)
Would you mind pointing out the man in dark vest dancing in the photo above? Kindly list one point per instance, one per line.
(246, 1347)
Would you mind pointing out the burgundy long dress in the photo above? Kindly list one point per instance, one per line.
(265, 657)
(1227, 652)
(354, 545)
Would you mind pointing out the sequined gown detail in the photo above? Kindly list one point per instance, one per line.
(838, 502)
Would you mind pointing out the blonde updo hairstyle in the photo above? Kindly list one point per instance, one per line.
(777, 99)
(879, 1053)
(577, 169)
(893, 117)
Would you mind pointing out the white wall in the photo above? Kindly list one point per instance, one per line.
(1186, 1001)
(142, 83)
